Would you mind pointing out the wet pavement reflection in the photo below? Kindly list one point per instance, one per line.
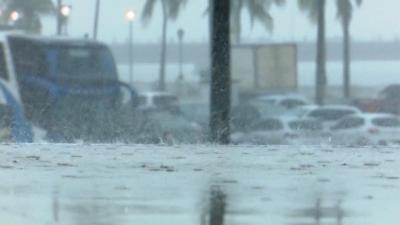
(198, 185)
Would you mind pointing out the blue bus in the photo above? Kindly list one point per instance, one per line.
(69, 87)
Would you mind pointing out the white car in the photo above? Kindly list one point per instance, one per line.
(366, 128)
(289, 101)
(157, 100)
(283, 130)
(327, 114)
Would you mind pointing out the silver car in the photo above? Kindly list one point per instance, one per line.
(366, 128)
(282, 131)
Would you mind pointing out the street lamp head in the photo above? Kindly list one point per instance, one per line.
(14, 16)
(130, 15)
(65, 10)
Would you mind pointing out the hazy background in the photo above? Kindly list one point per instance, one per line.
(375, 20)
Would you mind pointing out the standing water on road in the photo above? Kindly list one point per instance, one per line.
(206, 112)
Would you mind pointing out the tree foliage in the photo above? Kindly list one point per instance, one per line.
(172, 9)
(345, 9)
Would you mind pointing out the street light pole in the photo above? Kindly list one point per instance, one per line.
(65, 13)
(96, 19)
(59, 17)
(181, 32)
(130, 16)
(131, 52)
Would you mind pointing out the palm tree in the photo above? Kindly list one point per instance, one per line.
(345, 13)
(31, 11)
(220, 71)
(258, 11)
(170, 11)
(316, 12)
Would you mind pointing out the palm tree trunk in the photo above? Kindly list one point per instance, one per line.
(220, 72)
(346, 58)
(321, 56)
(161, 84)
(238, 22)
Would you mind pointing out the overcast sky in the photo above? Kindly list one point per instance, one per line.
(376, 19)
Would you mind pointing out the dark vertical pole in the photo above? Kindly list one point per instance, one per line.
(180, 36)
(346, 58)
(220, 101)
(59, 17)
(321, 56)
(96, 19)
(255, 68)
(163, 55)
(130, 49)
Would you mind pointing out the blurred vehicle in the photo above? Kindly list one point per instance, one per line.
(158, 100)
(288, 101)
(265, 132)
(266, 106)
(366, 104)
(306, 132)
(166, 127)
(14, 127)
(389, 99)
(196, 112)
(284, 131)
(69, 87)
(366, 128)
(327, 114)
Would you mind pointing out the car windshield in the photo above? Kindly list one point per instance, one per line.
(268, 125)
(83, 62)
(165, 100)
(330, 114)
(386, 122)
(305, 125)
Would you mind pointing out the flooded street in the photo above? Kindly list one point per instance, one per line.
(122, 184)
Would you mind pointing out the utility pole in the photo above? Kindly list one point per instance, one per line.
(130, 16)
(220, 98)
(96, 19)
(180, 33)
(59, 17)
(321, 80)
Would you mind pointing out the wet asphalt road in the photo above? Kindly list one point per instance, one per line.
(156, 185)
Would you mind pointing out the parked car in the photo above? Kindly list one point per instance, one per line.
(283, 130)
(369, 105)
(366, 128)
(196, 112)
(306, 132)
(288, 101)
(265, 106)
(327, 114)
(167, 127)
(389, 99)
(158, 101)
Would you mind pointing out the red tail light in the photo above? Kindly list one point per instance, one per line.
(373, 130)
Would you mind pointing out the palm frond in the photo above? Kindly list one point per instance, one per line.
(148, 10)
(174, 7)
(310, 7)
(345, 9)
